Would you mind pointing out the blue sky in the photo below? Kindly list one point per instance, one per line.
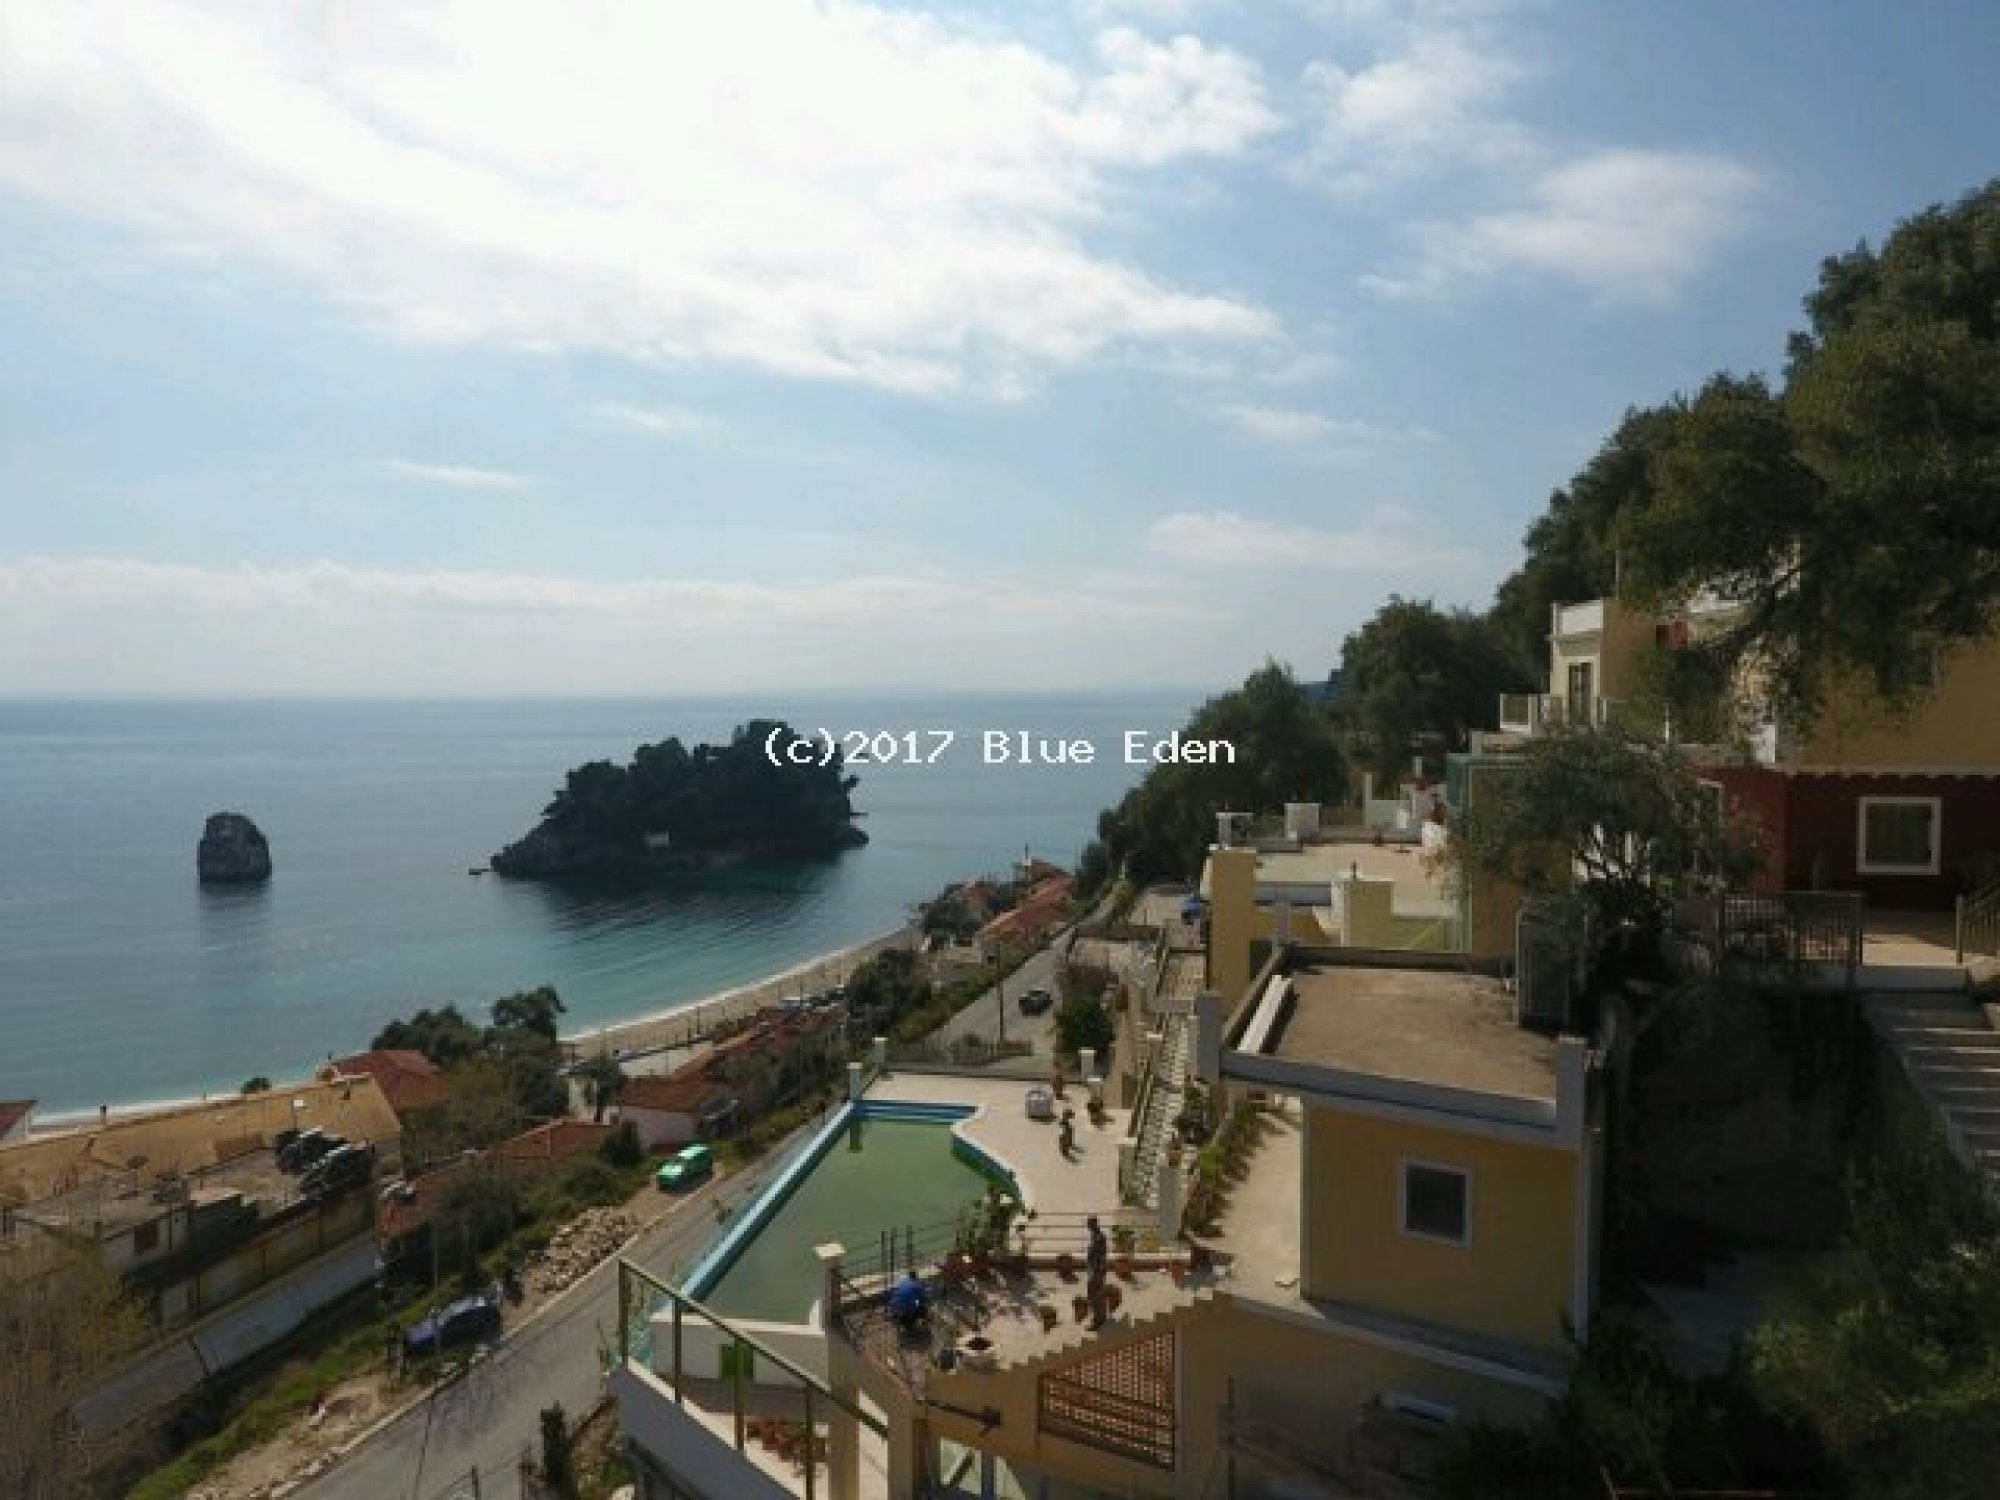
(388, 347)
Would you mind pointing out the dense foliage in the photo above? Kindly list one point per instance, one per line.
(1856, 509)
(1622, 822)
(1892, 1355)
(1417, 678)
(1285, 752)
(504, 1077)
(675, 808)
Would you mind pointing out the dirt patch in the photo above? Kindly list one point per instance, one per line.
(306, 1446)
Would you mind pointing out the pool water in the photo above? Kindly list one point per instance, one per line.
(877, 1174)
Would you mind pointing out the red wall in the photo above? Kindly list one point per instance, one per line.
(1811, 829)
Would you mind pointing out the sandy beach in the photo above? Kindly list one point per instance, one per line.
(684, 1024)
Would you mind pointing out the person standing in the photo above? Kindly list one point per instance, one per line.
(1096, 1268)
(1066, 1134)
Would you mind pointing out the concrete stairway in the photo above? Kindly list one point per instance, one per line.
(1163, 1106)
(1950, 1049)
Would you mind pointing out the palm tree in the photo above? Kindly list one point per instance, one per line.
(603, 1080)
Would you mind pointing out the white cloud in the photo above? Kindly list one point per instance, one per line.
(656, 421)
(125, 624)
(1622, 223)
(1387, 542)
(1278, 424)
(1433, 105)
(457, 476)
(1296, 428)
(824, 188)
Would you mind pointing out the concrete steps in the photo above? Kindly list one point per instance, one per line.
(1950, 1051)
(1075, 1342)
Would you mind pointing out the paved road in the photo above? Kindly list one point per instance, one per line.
(491, 1416)
(983, 1017)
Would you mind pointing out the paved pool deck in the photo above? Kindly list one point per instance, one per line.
(1086, 1183)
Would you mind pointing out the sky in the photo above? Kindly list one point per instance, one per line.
(481, 347)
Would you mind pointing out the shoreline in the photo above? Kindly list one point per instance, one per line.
(659, 1031)
(655, 1031)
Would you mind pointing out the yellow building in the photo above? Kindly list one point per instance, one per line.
(1902, 807)
(1325, 892)
(1414, 1228)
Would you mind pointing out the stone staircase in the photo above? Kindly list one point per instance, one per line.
(1949, 1046)
(1072, 1342)
(1163, 1106)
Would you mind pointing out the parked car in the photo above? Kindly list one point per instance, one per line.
(341, 1168)
(687, 1167)
(466, 1321)
(1036, 1001)
(306, 1148)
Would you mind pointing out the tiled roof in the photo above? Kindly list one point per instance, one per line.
(681, 1093)
(559, 1140)
(408, 1078)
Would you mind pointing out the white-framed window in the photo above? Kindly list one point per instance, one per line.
(1898, 835)
(1437, 1202)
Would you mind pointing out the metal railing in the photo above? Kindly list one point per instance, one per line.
(1976, 922)
(1791, 927)
(1537, 713)
(641, 1296)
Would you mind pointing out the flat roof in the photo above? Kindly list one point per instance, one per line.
(1319, 864)
(1449, 1028)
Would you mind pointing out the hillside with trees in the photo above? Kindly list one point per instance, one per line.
(1285, 752)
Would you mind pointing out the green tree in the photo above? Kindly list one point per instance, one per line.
(1415, 673)
(1082, 1021)
(258, 1085)
(1892, 1354)
(1572, 548)
(529, 1010)
(1856, 512)
(1284, 752)
(444, 1036)
(603, 1080)
(887, 986)
(558, 1458)
(1621, 822)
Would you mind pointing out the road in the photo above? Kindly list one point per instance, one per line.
(982, 1017)
(488, 1419)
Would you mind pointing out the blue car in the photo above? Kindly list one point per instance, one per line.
(466, 1321)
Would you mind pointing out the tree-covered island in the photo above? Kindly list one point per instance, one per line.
(674, 808)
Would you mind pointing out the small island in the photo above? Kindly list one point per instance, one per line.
(676, 809)
(232, 851)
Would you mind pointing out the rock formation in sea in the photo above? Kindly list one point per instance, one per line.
(233, 851)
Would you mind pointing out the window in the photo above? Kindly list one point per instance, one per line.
(146, 1238)
(1899, 836)
(1437, 1202)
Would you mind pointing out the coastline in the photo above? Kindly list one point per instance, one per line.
(660, 1031)
(656, 1031)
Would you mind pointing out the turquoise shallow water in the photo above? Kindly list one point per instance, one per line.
(879, 1174)
(120, 979)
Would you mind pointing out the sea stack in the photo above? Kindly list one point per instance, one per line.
(233, 851)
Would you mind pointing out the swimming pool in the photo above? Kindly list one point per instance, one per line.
(874, 1167)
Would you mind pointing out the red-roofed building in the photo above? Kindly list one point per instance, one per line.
(16, 1115)
(551, 1145)
(410, 1081)
(1024, 926)
(678, 1107)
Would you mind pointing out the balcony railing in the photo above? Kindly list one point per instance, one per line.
(1538, 713)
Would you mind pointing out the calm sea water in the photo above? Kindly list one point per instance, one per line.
(120, 979)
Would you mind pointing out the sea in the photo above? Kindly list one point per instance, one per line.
(122, 980)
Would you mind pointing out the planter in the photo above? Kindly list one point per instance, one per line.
(976, 1352)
